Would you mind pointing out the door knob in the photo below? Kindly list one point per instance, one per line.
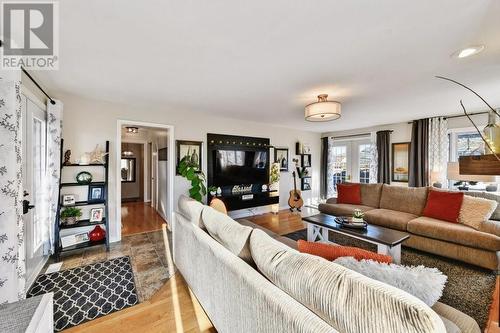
(27, 206)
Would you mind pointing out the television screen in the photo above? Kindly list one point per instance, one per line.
(234, 167)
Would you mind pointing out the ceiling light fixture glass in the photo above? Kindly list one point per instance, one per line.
(323, 109)
(131, 129)
(468, 51)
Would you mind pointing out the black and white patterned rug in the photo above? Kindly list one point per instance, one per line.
(85, 293)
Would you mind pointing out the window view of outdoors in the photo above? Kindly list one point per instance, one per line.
(469, 144)
(339, 165)
(364, 163)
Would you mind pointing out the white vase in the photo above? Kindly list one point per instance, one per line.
(357, 220)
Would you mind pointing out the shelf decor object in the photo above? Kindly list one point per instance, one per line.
(70, 215)
(97, 196)
(84, 178)
(98, 234)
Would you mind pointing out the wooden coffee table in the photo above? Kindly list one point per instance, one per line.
(388, 241)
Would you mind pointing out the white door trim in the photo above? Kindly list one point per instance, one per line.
(37, 102)
(170, 175)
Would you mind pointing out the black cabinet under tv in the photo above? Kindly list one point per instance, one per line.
(235, 202)
(239, 165)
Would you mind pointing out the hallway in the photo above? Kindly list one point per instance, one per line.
(139, 217)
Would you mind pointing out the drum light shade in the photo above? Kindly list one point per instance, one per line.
(323, 109)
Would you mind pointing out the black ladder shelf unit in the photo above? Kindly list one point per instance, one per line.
(86, 222)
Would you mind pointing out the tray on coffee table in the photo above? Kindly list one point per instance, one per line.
(346, 222)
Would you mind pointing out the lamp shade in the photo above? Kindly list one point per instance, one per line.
(454, 174)
(323, 109)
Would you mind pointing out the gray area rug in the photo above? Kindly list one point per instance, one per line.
(468, 289)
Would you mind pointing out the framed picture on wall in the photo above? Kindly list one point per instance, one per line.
(127, 169)
(281, 157)
(400, 162)
(190, 150)
(306, 160)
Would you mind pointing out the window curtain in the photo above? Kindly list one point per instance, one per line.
(419, 158)
(438, 150)
(373, 159)
(54, 134)
(12, 254)
(383, 159)
(324, 168)
(330, 187)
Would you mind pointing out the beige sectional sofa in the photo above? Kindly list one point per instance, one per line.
(250, 280)
(400, 208)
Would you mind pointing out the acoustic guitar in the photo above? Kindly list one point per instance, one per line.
(295, 200)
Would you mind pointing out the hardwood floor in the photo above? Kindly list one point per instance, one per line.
(172, 309)
(282, 223)
(175, 309)
(139, 217)
(493, 319)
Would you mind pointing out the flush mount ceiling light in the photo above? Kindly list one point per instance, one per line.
(131, 129)
(323, 109)
(468, 51)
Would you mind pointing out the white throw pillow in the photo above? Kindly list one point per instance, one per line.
(232, 235)
(425, 283)
(475, 211)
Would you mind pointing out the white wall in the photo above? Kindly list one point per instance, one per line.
(88, 122)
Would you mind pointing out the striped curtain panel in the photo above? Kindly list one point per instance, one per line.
(54, 134)
(438, 150)
(12, 254)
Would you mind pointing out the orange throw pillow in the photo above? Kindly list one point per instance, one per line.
(331, 252)
(443, 205)
(349, 194)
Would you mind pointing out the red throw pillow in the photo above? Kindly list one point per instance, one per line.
(443, 205)
(331, 252)
(349, 194)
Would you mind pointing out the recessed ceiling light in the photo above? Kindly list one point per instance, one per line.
(468, 51)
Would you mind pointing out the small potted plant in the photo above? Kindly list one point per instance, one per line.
(70, 215)
(357, 216)
(212, 190)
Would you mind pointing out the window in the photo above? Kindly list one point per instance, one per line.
(469, 144)
(339, 165)
(465, 143)
(349, 161)
(364, 163)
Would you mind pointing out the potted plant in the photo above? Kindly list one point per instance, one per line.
(274, 177)
(189, 170)
(212, 190)
(71, 215)
(357, 216)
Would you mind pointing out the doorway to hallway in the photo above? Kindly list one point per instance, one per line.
(145, 177)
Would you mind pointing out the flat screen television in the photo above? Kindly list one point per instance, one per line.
(236, 167)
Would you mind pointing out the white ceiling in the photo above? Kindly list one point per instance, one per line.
(265, 60)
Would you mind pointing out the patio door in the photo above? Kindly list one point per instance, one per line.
(34, 176)
(351, 162)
